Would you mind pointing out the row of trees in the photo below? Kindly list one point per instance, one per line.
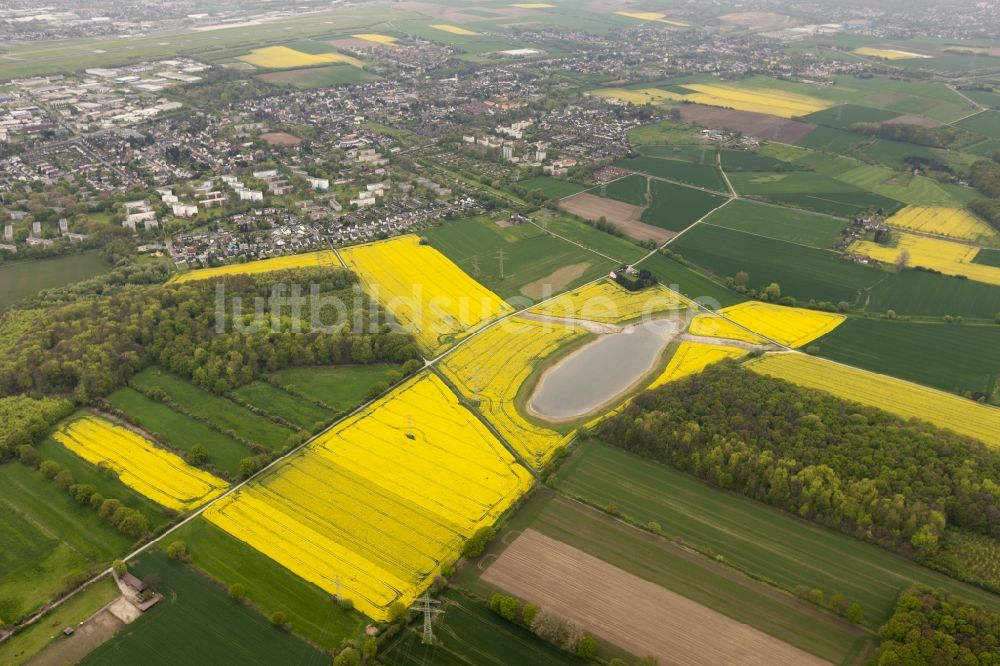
(849, 467)
(934, 627)
(548, 626)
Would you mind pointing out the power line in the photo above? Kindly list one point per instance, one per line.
(500, 257)
(424, 605)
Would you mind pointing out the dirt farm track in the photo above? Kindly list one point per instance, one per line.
(628, 611)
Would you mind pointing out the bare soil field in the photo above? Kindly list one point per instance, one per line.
(757, 21)
(752, 124)
(90, 635)
(557, 280)
(628, 611)
(912, 119)
(282, 138)
(622, 215)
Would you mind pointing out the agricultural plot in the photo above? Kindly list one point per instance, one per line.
(707, 176)
(932, 294)
(690, 358)
(470, 633)
(322, 258)
(425, 292)
(751, 537)
(625, 217)
(454, 29)
(774, 102)
(909, 401)
(843, 116)
(622, 250)
(778, 223)
(553, 188)
(944, 256)
(762, 125)
(653, 16)
(716, 326)
(676, 207)
(986, 123)
(887, 54)
(987, 257)
(702, 152)
(608, 303)
(944, 221)
(907, 188)
(960, 359)
(155, 473)
(792, 327)
(750, 160)
(802, 272)
(197, 622)
(272, 400)
(374, 508)
(216, 410)
(311, 612)
(491, 370)
(831, 140)
(630, 189)
(46, 536)
(340, 388)
(318, 77)
(535, 263)
(182, 431)
(811, 191)
(690, 283)
(21, 279)
(627, 610)
(282, 57)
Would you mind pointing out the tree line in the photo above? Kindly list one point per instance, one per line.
(849, 467)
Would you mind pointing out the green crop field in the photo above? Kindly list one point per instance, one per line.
(702, 152)
(811, 191)
(319, 77)
(692, 575)
(915, 292)
(664, 133)
(620, 249)
(986, 123)
(270, 587)
(197, 622)
(699, 175)
(341, 388)
(845, 115)
(987, 258)
(26, 277)
(749, 160)
(530, 254)
(553, 188)
(749, 535)
(778, 223)
(802, 272)
(907, 188)
(630, 189)
(951, 357)
(183, 432)
(25, 644)
(689, 282)
(470, 634)
(831, 140)
(46, 536)
(224, 413)
(676, 207)
(107, 484)
(272, 400)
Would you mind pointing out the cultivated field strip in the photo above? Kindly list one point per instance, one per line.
(792, 327)
(629, 611)
(944, 221)
(321, 258)
(372, 509)
(948, 257)
(155, 473)
(693, 357)
(904, 399)
(606, 302)
(714, 326)
(426, 293)
(492, 367)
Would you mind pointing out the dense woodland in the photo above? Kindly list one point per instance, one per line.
(841, 464)
(26, 420)
(935, 137)
(90, 346)
(933, 627)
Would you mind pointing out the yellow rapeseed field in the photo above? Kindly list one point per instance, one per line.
(607, 302)
(491, 369)
(887, 54)
(453, 29)
(426, 293)
(376, 506)
(714, 326)
(282, 57)
(531, 5)
(693, 357)
(944, 221)
(652, 16)
(378, 39)
(792, 327)
(904, 399)
(157, 474)
(948, 257)
(308, 260)
(774, 102)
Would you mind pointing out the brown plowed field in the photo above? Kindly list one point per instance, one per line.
(622, 215)
(761, 125)
(630, 612)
